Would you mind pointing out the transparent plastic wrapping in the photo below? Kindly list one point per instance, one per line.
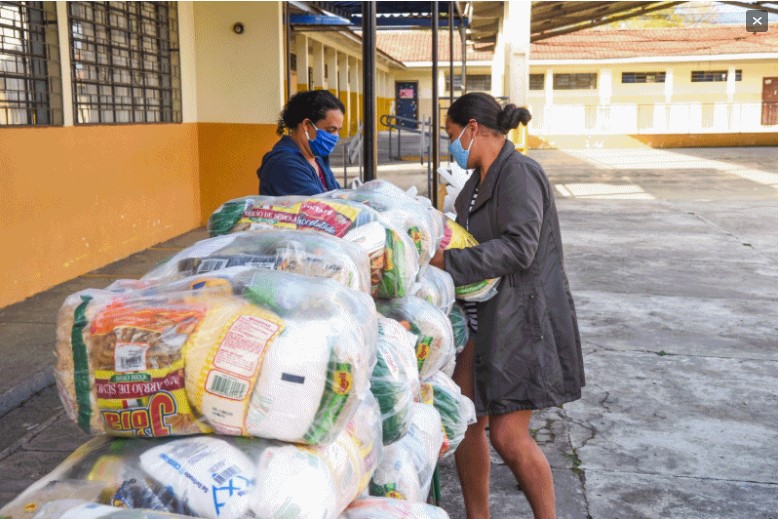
(402, 212)
(459, 321)
(393, 256)
(301, 252)
(406, 470)
(224, 352)
(456, 410)
(456, 237)
(212, 477)
(79, 509)
(436, 287)
(387, 508)
(395, 379)
(435, 343)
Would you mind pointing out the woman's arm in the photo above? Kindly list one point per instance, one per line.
(520, 198)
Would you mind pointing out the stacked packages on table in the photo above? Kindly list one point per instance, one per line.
(296, 364)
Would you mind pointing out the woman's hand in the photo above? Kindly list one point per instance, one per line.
(438, 259)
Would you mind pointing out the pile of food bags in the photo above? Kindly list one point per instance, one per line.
(393, 256)
(289, 366)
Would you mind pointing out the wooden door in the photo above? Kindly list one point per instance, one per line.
(769, 102)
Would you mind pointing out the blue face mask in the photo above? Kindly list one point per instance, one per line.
(323, 142)
(459, 153)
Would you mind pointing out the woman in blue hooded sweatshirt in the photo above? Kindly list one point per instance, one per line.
(299, 164)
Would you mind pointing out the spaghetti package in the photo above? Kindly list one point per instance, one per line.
(301, 252)
(436, 287)
(386, 508)
(224, 352)
(456, 237)
(456, 410)
(395, 379)
(401, 211)
(406, 470)
(393, 256)
(435, 343)
(459, 327)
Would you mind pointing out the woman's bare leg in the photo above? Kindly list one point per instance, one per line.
(472, 457)
(510, 435)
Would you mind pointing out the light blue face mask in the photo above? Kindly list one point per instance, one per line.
(459, 153)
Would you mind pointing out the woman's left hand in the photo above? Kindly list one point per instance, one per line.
(438, 259)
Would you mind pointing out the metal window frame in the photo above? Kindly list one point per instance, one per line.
(535, 76)
(712, 76)
(643, 77)
(137, 41)
(40, 58)
(573, 85)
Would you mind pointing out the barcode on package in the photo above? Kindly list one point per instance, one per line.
(224, 385)
(129, 356)
(211, 264)
(226, 475)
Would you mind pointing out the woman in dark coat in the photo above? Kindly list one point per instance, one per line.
(299, 164)
(526, 351)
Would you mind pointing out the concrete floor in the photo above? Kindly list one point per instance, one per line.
(672, 258)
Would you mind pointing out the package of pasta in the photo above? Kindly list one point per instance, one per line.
(392, 254)
(406, 469)
(435, 342)
(459, 321)
(401, 211)
(387, 508)
(456, 410)
(218, 352)
(302, 252)
(457, 237)
(435, 286)
(395, 379)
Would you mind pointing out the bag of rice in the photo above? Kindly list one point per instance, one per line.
(459, 327)
(456, 410)
(435, 286)
(395, 379)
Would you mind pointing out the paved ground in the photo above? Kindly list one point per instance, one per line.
(672, 258)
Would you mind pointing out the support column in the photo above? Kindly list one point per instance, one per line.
(605, 89)
(370, 141)
(301, 42)
(731, 86)
(343, 90)
(434, 131)
(517, 19)
(331, 71)
(318, 64)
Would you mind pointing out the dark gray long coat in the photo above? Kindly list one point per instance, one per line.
(528, 350)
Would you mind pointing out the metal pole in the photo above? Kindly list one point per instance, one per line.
(288, 42)
(370, 139)
(462, 55)
(434, 130)
(451, 53)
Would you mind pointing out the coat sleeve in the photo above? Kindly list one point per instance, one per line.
(285, 175)
(520, 198)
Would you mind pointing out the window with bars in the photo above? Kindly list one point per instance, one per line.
(585, 81)
(30, 79)
(536, 82)
(125, 62)
(708, 76)
(643, 77)
(474, 82)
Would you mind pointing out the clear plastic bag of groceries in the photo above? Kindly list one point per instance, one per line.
(301, 252)
(224, 352)
(435, 286)
(403, 212)
(395, 379)
(457, 237)
(406, 470)
(435, 342)
(214, 477)
(456, 410)
(393, 256)
(80, 509)
(388, 508)
(460, 330)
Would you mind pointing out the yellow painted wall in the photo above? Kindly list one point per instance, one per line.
(64, 215)
(353, 112)
(230, 155)
(346, 129)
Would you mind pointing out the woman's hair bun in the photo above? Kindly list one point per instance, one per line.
(511, 116)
